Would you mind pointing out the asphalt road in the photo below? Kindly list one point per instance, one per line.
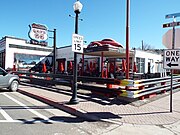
(22, 115)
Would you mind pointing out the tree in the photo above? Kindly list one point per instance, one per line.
(146, 46)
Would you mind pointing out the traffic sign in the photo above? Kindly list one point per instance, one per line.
(171, 59)
(77, 43)
(167, 39)
(168, 25)
(172, 15)
(171, 24)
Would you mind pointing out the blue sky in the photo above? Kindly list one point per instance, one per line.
(101, 19)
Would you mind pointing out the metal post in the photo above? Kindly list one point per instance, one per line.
(127, 39)
(54, 52)
(173, 38)
(114, 66)
(173, 46)
(74, 99)
(171, 90)
(102, 64)
(82, 65)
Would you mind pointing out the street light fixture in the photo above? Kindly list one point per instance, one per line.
(77, 9)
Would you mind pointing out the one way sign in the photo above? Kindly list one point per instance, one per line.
(171, 59)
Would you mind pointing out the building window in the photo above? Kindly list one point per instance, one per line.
(31, 61)
(140, 65)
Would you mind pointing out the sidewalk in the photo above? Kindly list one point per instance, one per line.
(115, 111)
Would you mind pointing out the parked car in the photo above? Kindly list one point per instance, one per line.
(8, 80)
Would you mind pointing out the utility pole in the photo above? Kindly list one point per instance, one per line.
(142, 45)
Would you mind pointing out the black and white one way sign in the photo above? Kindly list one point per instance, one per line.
(172, 59)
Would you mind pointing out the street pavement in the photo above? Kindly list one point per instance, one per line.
(149, 114)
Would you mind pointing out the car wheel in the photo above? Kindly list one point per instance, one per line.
(14, 86)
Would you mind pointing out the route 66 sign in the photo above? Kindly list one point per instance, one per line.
(38, 32)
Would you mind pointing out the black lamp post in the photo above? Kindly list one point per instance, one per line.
(77, 9)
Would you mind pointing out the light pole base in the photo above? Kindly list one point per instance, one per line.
(73, 101)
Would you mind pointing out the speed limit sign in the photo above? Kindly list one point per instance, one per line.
(77, 43)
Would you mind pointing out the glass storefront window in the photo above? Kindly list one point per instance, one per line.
(31, 61)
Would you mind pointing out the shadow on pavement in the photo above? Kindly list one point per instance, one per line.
(54, 119)
(68, 119)
(104, 115)
(3, 90)
(51, 120)
(35, 120)
(88, 96)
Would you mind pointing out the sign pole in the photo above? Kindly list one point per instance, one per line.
(173, 40)
(54, 52)
(171, 90)
(173, 24)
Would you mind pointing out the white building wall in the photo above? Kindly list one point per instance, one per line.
(66, 52)
(9, 59)
(149, 57)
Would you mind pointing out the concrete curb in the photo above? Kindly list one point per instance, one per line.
(62, 106)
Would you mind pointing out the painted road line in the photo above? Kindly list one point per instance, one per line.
(5, 115)
(7, 121)
(29, 109)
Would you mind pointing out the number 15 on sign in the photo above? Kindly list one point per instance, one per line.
(77, 43)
